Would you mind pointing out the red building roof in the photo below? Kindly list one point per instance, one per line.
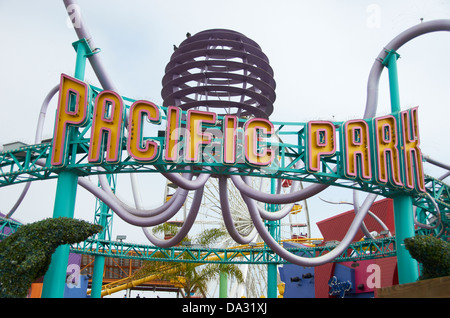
(335, 227)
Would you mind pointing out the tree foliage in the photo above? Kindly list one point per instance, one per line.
(26, 254)
(432, 253)
(192, 276)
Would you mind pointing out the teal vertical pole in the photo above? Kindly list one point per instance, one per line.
(66, 190)
(272, 280)
(272, 268)
(103, 217)
(407, 267)
(391, 63)
(403, 207)
(97, 276)
(55, 278)
(99, 262)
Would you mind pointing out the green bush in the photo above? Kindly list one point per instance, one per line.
(432, 253)
(26, 254)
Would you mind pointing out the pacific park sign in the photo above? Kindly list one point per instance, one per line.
(383, 150)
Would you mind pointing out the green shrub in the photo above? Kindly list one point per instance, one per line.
(432, 253)
(26, 254)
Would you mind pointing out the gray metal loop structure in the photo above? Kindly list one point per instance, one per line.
(222, 70)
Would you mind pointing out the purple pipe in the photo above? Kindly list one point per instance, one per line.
(187, 225)
(226, 213)
(306, 261)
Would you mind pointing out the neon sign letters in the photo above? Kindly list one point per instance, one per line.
(382, 150)
(108, 124)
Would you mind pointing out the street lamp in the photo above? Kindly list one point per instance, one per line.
(121, 237)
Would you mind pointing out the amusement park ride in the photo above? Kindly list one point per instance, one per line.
(218, 94)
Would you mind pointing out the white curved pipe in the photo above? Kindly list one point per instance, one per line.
(444, 176)
(437, 163)
(277, 198)
(43, 113)
(117, 208)
(285, 210)
(175, 203)
(373, 215)
(227, 218)
(188, 184)
(377, 67)
(83, 33)
(306, 261)
(121, 212)
(187, 225)
(427, 226)
(356, 209)
(37, 140)
(395, 44)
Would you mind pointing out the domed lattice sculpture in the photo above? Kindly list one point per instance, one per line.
(221, 71)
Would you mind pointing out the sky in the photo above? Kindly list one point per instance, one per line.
(321, 53)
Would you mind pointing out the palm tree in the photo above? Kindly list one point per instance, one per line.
(193, 277)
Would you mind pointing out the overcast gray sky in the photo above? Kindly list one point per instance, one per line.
(321, 53)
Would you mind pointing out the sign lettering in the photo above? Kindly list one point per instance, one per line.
(383, 150)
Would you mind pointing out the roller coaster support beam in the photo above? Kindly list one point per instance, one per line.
(97, 277)
(104, 218)
(272, 268)
(66, 190)
(403, 205)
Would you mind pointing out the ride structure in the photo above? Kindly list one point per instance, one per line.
(218, 95)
